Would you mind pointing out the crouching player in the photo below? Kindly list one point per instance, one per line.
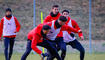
(36, 37)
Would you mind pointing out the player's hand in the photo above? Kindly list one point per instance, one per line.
(82, 38)
(79, 31)
(43, 56)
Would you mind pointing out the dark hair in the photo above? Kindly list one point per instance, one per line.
(65, 11)
(8, 9)
(46, 27)
(63, 18)
(55, 6)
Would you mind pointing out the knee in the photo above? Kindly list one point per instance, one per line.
(28, 51)
(82, 51)
(58, 48)
(63, 50)
(11, 48)
(6, 48)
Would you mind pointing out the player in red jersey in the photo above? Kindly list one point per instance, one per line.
(54, 14)
(37, 37)
(59, 25)
(70, 39)
(9, 26)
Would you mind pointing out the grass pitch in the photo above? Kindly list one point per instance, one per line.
(70, 56)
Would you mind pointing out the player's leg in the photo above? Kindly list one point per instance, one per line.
(48, 45)
(62, 45)
(6, 43)
(28, 50)
(12, 40)
(77, 45)
(50, 57)
(80, 48)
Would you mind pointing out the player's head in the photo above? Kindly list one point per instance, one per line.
(55, 9)
(62, 20)
(46, 29)
(8, 12)
(65, 13)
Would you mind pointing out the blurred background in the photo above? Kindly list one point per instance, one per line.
(79, 10)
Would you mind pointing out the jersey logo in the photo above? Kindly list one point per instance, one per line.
(9, 23)
(51, 32)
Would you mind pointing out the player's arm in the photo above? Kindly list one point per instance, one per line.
(0, 31)
(76, 26)
(69, 29)
(1, 27)
(36, 37)
(34, 46)
(17, 25)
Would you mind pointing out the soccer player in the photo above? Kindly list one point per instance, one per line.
(54, 14)
(9, 26)
(38, 33)
(56, 27)
(70, 39)
(37, 37)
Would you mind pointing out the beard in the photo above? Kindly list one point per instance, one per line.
(9, 16)
(54, 15)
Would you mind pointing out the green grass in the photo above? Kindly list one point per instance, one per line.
(99, 56)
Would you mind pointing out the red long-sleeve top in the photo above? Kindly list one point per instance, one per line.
(36, 36)
(74, 25)
(49, 18)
